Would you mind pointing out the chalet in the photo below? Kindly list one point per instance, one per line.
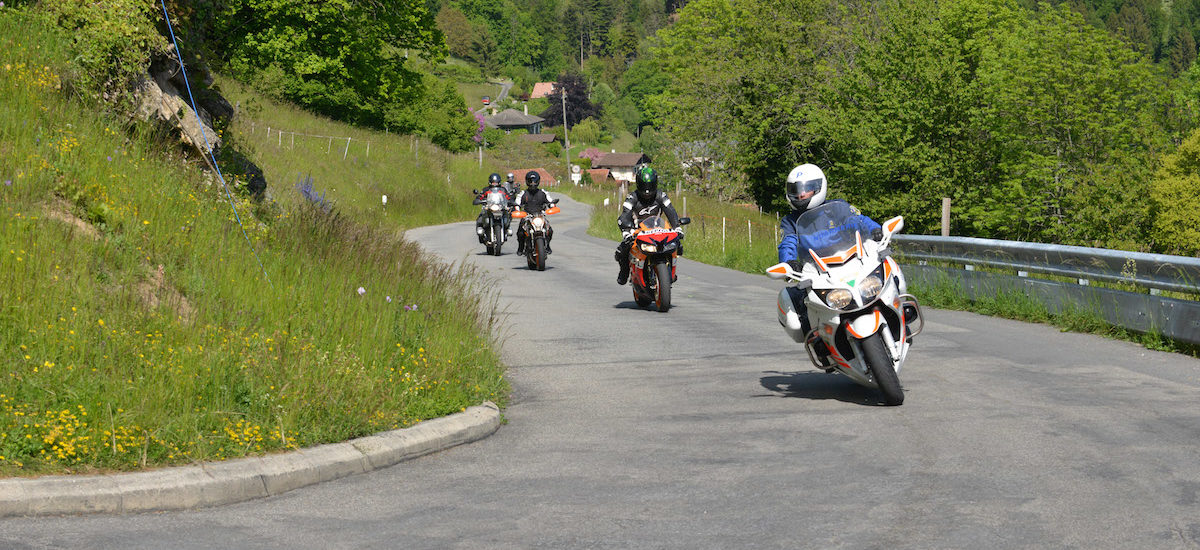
(602, 177)
(622, 165)
(542, 89)
(512, 119)
(547, 179)
(541, 138)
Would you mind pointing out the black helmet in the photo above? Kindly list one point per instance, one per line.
(532, 180)
(647, 184)
(494, 179)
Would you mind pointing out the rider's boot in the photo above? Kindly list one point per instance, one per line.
(623, 275)
(479, 231)
(910, 316)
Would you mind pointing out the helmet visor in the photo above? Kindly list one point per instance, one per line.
(807, 186)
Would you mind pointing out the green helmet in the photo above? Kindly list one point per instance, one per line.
(647, 184)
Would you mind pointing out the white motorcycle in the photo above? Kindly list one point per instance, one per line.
(495, 209)
(858, 308)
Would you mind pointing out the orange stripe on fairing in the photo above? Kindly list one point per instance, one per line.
(841, 258)
(892, 226)
(860, 337)
(777, 270)
(837, 357)
(887, 269)
(780, 308)
(820, 262)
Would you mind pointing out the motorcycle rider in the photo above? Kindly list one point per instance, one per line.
(809, 227)
(510, 185)
(493, 184)
(645, 201)
(532, 201)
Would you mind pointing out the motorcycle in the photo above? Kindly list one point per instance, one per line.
(535, 227)
(495, 207)
(652, 261)
(858, 308)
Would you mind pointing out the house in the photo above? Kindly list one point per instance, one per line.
(542, 89)
(622, 165)
(602, 176)
(512, 119)
(547, 179)
(541, 138)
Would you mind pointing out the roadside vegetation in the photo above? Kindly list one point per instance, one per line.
(144, 322)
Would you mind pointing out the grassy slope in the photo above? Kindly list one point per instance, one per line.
(137, 327)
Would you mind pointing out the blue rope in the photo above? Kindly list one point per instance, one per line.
(228, 195)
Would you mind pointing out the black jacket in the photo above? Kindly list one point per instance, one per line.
(633, 211)
(533, 203)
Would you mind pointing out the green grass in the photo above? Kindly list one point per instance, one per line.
(474, 93)
(137, 326)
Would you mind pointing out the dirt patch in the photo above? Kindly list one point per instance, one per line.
(60, 210)
(154, 291)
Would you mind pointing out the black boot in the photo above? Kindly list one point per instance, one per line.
(623, 275)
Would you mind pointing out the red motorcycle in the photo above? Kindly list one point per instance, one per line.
(652, 260)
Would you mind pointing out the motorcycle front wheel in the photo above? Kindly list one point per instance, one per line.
(496, 242)
(876, 355)
(662, 297)
(539, 248)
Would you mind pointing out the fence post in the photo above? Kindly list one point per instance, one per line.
(685, 206)
(329, 147)
(749, 233)
(945, 216)
(368, 150)
(722, 235)
(279, 140)
(293, 145)
(347, 151)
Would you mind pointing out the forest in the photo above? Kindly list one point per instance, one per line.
(1071, 122)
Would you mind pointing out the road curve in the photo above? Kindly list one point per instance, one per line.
(703, 428)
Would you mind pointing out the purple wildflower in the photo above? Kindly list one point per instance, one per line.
(7, 182)
(389, 299)
(410, 308)
(109, 159)
(361, 291)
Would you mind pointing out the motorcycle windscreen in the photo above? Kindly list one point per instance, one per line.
(828, 230)
(654, 222)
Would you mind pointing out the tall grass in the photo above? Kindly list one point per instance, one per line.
(138, 327)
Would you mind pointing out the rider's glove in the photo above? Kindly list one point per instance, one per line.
(796, 265)
(626, 234)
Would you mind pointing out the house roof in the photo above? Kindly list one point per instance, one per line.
(547, 179)
(621, 160)
(600, 175)
(542, 89)
(511, 117)
(540, 138)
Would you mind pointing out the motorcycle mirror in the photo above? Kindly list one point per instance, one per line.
(893, 225)
(476, 191)
(685, 221)
(779, 271)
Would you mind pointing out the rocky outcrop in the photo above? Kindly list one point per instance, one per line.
(162, 97)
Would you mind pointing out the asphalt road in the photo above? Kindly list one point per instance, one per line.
(703, 428)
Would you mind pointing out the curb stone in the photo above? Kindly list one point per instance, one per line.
(216, 483)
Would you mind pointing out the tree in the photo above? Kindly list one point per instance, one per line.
(578, 105)
(1181, 50)
(458, 31)
(341, 58)
(1175, 196)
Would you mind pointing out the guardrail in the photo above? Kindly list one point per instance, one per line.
(1138, 311)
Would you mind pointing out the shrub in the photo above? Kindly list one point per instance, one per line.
(1174, 198)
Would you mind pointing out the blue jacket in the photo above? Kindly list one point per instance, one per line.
(818, 228)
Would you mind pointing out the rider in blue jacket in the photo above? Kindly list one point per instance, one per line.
(814, 222)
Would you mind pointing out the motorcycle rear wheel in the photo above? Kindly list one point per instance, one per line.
(662, 297)
(876, 355)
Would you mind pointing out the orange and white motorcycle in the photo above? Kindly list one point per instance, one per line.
(535, 228)
(858, 308)
(652, 260)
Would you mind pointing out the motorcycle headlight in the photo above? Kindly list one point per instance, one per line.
(647, 247)
(494, 208)
(870, 287)
(839, 298)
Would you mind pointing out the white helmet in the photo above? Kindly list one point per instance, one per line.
(806, 186)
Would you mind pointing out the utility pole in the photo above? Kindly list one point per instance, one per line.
(566, 140)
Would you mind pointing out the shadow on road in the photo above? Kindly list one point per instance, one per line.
(630, 304)
(819, 385)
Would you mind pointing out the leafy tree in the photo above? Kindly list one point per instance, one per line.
(1181, 50)
(578, 106)
(1175, 196)
(342, 58)
(446, 120)
(589, 131)
(458, 31)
